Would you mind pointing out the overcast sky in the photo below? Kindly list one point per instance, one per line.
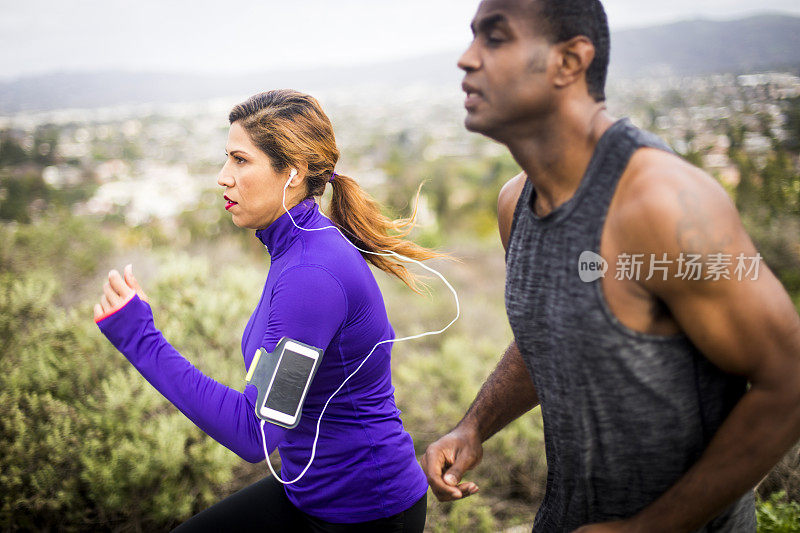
(39, 36)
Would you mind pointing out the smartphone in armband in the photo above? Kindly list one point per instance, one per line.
(283, 379)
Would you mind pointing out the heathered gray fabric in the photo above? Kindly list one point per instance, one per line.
(625, 413)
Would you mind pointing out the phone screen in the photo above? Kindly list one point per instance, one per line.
(289, 382)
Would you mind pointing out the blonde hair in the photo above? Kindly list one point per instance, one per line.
(290, 127)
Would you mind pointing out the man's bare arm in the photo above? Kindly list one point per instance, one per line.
(748, 327)
(507, 393)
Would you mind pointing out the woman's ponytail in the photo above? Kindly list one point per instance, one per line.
(359, 217)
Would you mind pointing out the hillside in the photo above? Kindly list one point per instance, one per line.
(766, 42)
(759, 43)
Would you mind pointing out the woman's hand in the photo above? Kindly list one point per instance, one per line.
(117, 292)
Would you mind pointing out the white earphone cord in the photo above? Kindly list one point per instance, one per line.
(384, 253)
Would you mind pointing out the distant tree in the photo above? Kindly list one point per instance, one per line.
(19, 192)
(747, 192)
(778, 190)
(131, 150)
(402, 167)
(735, 133)
(45, 142)
(439, 187)
(694, 157)
(792, 114)
(765, 122)
(652, 115)
(674, 99)
(11, 152)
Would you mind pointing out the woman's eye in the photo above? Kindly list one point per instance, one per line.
(235, 157)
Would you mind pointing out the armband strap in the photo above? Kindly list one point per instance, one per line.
(253, 365)
(263, 367)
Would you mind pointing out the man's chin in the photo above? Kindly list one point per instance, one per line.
(475, 125)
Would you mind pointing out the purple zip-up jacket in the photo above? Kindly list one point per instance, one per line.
(320, 291)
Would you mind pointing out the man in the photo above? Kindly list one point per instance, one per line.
(643, 373)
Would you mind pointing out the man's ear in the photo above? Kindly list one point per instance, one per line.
(575, 56)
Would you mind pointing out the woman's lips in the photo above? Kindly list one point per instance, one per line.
(230, 203)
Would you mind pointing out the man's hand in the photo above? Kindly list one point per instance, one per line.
(117, 292)
(446, 460)
(508, 393)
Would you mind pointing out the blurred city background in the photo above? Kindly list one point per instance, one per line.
(113, 124)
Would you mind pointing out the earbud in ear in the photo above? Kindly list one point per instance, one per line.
(292, 173)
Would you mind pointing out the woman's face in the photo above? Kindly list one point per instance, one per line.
(253, 190)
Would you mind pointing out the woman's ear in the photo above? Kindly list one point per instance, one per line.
(297, 174)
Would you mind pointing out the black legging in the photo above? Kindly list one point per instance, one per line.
(263, 506)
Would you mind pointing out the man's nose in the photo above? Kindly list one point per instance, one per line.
(469, 60)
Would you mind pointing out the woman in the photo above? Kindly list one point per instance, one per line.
(319, 291)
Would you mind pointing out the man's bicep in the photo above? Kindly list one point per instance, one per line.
(741, 326)
(717, 286)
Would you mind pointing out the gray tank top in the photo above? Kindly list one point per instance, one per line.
(625, 413)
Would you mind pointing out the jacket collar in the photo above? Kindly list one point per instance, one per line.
(279, 235)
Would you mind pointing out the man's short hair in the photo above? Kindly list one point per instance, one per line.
(566, 19)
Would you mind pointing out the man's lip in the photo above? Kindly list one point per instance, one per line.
(470, 89)
(473, 95)
(472, 100)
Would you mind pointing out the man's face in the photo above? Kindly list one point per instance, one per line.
(506, 67)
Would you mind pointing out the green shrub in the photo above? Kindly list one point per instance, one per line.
(71, 248)
(777, 514)
(473, 515)
(87, 442)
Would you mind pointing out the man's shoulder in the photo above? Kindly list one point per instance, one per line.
(660, 192)
(507, 203)
(512, 188)
(656, 183)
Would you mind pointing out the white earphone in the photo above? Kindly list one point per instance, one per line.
(292, 174)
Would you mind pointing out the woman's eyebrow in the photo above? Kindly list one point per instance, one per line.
(235, 152)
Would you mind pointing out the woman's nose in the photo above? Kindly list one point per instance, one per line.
(224, 179)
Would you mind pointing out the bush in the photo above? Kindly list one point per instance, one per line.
(778, 515)
(70, 248)
(472, 515)
(87, 442)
